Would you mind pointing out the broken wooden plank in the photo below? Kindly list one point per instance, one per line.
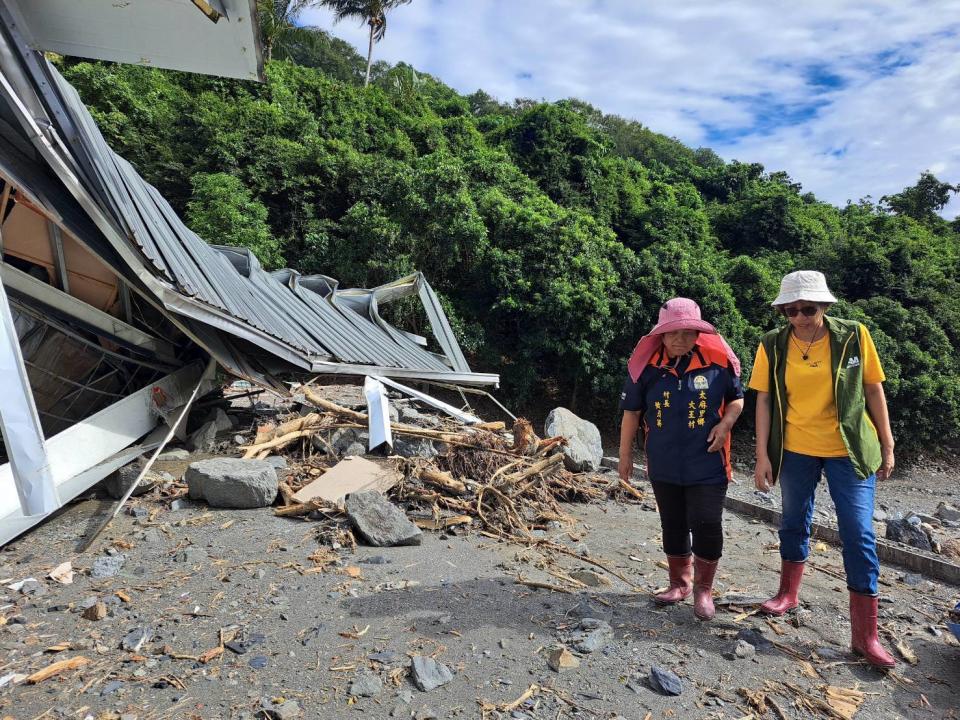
(353, 474)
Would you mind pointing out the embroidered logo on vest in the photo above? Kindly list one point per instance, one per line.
(853, 362)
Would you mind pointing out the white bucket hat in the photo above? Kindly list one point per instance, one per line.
(804, 285)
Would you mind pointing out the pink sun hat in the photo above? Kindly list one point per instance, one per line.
(679, 314)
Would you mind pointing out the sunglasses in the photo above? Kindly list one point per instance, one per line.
(807, 310)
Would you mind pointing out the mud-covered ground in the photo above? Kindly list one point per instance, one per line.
(193, 576)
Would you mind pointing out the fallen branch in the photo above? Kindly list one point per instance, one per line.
(61, 666)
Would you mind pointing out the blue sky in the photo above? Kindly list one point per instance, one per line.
(850, 97)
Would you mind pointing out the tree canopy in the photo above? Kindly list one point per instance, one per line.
(552, 231)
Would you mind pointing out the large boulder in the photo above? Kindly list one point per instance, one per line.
(232, 482)
(908, 533)
(380, 522)
(584, 450)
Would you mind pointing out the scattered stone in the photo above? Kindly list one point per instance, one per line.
(232, 482)
(592, 635)
(203, 439)
(665, 682)
(107, 566)
(947, 512)
(414, 447)
(97, 611)
(117, 483)
(909, 533)
(354, 450)
(181, 504)
(912, 579)
(380, 522)
(33, 587)
(427, 674)
(175, 455)
(384, 658)
(258, 662)
(562, 659)
(829, 654)
(376, 560)
(239, 440)
(879, 515)
(136, 639)
(743, 650)
(755, 638)
(285, 710)
(111, 687)
(584, 449)
(366, 684)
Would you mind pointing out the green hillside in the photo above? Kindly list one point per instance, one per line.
(553, 232)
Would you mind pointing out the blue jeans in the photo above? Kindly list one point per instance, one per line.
(853, 499)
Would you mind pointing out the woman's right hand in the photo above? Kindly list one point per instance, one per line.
(763, 474)
(625, 469)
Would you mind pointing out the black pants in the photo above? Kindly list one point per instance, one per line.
(695, 510)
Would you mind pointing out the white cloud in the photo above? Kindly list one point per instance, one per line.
(852, 98)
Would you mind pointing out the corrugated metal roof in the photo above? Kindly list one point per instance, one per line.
(273, 303)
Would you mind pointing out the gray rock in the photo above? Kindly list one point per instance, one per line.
(879, 515)
(239, 440)
(366, 684)
(232, 482)
(33, 587)
(204, 439)
(345, 437)
(584, 449)
(665, 682)
(829, 654)
(379, 522)
(354, 449)
(755, 638)
(947, 512)
(117, 483)
(107, 566)
(743, 650)
(414, 447)
(175, 455)
(593, 635)
(287, 710)
(136, 639)
(913, 579)
(277, 462)
(428, 674)
(906, 532)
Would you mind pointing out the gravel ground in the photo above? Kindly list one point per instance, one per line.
(301, 640)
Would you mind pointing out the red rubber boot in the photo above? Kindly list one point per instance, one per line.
(681, 574)
(703, 572)
(863, 631)
(788, 597)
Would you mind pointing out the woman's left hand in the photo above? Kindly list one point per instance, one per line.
(717, 437)
(886, 464)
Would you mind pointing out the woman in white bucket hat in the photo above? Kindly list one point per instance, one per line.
(821, 410)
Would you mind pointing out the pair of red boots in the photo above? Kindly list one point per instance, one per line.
(863, 608)
(688, 573)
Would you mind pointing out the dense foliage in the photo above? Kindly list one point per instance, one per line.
(552, 231)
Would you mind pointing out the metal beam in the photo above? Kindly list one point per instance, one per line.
(410, 373)
(59, 260)
(23, 284)
(88, 444)
(30, 474)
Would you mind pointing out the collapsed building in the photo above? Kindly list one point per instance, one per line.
(114, 315)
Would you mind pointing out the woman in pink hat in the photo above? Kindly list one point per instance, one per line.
(684, 385)
(821, 410)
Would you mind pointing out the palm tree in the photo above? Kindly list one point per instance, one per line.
(278, 29)
(371, 12)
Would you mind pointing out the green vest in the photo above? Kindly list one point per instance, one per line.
(846, 367)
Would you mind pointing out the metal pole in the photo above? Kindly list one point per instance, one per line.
(20, 424)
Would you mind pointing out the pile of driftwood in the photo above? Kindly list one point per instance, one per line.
(510, 483)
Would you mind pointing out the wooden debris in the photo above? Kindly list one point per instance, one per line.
(62, 573)
(61, 666)
(845, 701)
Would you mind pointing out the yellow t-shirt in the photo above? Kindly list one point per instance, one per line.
(812, 427)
